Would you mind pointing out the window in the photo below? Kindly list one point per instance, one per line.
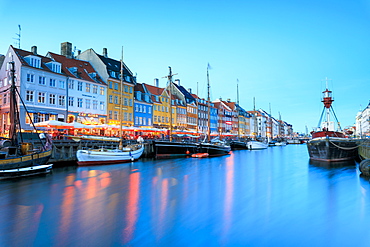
(4, 98)
(41, 98)
(115, 115)
(125, 116)
(110, 85)
(130, 102)
(125, 101)
(52, 99)
(162, 108)
(79, 102)
(102, 107)
(115, 99)
(88, 86)
(62, 100)
(110, 99)
(70, 101)
(155, 118)
(62, 84)
(130, 117)
(166, 119)
(144, 108)
(126, 88)
(162, 119)
(79, 86)
(102, 90)
(149, 110)
(95, 89)
(71, 84)
(42, 80)
(95, 104)
(88, 103)
(130, 89)
(110, 115)
(140, 120)
(115, 86)
(30, 78)
(136, 108)
(29, 96)
(149, 121)
(52, 83)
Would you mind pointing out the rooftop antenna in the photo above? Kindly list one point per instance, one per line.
(18, 39)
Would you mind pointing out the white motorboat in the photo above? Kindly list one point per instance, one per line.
(104, 156)
(255, 145)
(280, 143)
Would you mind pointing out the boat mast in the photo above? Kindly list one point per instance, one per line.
(238, 107)
(120, 105)
(327, 100)
(13, 111)
(255, 118)
(170, 75)
(209, 108)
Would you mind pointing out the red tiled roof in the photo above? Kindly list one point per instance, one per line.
(84, 68)
(22, 53)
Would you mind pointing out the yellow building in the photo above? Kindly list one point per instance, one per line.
(110, 71)
(161, 106)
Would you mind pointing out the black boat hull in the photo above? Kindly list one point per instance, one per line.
(237, 145)
(167, 149)
(332, 149)
(214, 149)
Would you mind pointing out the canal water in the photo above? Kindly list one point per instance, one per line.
(272, 197)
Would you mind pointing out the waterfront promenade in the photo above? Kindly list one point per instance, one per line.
(271, 197)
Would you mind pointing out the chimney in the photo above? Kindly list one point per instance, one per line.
(34, 50)
(189, 90)
(177, 81)
(228, 100)
(156, 82)
(78, 52)
(66, 49)
(105, 52)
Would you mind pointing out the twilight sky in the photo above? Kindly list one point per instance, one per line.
(281, 51)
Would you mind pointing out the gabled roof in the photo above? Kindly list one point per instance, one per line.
(22, 54)
(188, 96)
(154, 91)
(115, 65)
(84, 69)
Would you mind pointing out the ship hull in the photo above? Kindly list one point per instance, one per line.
(167, 149)
(214, 149)
(331, 149)
(238, 145)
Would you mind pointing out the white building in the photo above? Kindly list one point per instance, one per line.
(86, 93)
(363, 122)
(41, 85)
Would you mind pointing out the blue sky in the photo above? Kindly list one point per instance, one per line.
(280, 51)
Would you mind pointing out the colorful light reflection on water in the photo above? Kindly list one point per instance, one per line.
(273, 197)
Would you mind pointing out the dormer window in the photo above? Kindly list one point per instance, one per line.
(54, 66)
(33, 61)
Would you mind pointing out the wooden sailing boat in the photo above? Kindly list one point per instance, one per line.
(18, 158)
(238, 144)
(212, 147)
(104, 156)
(173, 149)
(328, 144)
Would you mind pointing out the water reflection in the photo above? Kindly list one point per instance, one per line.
(265, 198)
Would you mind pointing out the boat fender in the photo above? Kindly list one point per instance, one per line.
(365, 167)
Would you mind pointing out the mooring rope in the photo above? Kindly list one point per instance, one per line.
(344, 148)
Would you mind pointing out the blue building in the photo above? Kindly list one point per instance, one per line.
(143, 107)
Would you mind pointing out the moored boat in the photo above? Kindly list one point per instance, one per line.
(238, 145)
(328, 144)
(18, 159)
(104, 156)
(256, 145)
(170, 149)
(200, 155)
